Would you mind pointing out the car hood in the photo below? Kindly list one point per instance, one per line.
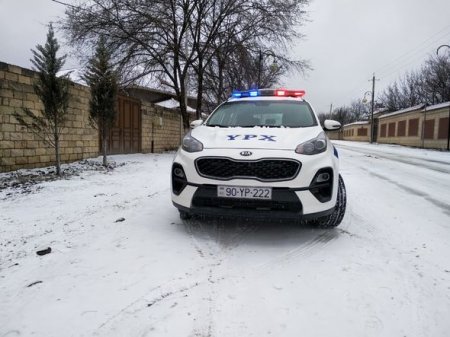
(254, 137)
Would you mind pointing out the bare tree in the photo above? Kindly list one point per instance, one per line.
(436, 78)
(253, 52)
(358, 111)
(411, 90)
(212, 23)
(429, 85)
(146, 39)
(390, 97)
(322, 117)
(172, 39)
(342, 115)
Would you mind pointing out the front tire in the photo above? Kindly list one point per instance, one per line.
(335, 218)
(184, 215)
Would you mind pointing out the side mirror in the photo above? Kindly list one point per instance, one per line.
(196, 123)
(331, 125)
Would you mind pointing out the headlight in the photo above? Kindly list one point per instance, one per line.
(313, 146)
(190, 144)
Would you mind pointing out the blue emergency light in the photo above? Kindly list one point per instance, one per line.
(247, 93)
(268, 92)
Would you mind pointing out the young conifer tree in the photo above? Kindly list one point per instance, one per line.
(53, 91)
(102, 79)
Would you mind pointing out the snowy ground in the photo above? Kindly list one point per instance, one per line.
(384, 272)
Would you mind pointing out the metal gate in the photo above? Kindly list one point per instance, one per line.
(125, 135)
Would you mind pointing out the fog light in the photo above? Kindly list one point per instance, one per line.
(178, 172)
(322, 184)
(323, 177)
(179, 180)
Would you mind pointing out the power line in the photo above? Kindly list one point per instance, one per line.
(394, 66)
(64, 3)
(424, 44)
(416, 55)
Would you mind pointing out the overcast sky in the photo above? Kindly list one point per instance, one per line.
(346, 41)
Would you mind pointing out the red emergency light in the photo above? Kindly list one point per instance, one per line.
(290, 93)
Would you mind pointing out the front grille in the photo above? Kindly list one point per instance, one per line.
(263, 169)
(283, 199)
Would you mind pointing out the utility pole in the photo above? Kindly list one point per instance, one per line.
(331, 109)
(448, 126)
(372, 129)
(259, 68)
(186, 80)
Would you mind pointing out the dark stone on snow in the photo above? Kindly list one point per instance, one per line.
(44, 251)
(120, 220)
(34, 283)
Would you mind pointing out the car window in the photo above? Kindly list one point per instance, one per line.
(263, 113)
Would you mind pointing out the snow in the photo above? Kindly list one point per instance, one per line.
(75, 75)
(384, 272)
(420, 107)
(438, 106)
(173, 104)
(357, 123)
(399, 112)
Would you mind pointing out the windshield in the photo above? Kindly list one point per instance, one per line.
(293, 114)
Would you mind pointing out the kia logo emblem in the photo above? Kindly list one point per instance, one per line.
(246, 153)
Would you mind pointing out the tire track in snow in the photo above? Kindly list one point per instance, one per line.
(146, 301)
(445, 207)
(442, 205)
(228, 237)
(439, 166)
(213, 257)
(179, 287)
(213, 241)
(304, 249)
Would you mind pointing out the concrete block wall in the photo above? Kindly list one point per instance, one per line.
(20, 148)
(335, 135)
(357, 132)
(417, 140)
(162, 126)
(407, 139)
(437, 115)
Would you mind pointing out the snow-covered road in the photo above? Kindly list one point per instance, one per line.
(384, 272)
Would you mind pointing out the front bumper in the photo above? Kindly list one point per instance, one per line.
(292, 198)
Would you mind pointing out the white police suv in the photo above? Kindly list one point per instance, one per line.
(264, 154)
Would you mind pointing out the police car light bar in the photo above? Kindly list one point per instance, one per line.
(290, 93)
(248, 93)
(268, 92)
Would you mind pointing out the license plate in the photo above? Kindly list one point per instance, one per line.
(244, 192)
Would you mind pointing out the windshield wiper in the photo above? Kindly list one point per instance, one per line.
(261, 126)
(219, 125)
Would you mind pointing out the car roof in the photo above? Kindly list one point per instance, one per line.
(266, 98)
(268, 94)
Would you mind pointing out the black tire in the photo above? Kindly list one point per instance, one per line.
(184, 215)
(335, 218)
